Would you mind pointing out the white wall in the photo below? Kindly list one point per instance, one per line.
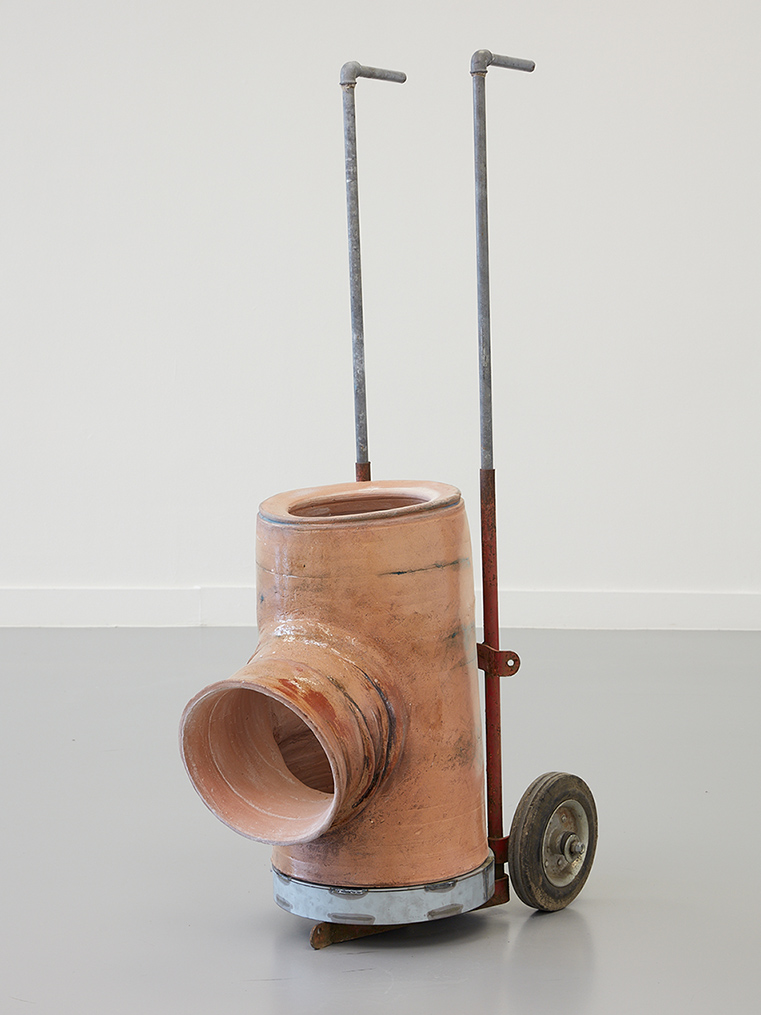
(175, 317)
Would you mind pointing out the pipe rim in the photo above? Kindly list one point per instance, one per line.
(228, 801)
(344, 503)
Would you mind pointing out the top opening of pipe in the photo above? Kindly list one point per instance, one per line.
(331, 507)
(364, 502)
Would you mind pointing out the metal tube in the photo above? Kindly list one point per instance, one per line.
(479, 65)
(482, 267)
(492, 687)
(349, 74)
(353, 70)
(482, 59)
(355, 276)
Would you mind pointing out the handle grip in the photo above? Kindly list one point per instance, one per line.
(483, 59)
(353, 70)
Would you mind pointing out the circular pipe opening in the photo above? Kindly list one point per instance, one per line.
(258, 766)
(333, 507)
(343, 503)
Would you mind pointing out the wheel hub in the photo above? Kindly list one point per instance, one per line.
(564, 843)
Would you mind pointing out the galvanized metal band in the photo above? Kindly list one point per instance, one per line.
(386, 906)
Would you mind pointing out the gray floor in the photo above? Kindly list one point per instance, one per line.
(122, 894)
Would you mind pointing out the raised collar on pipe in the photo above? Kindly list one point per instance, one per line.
(350, 72)
(479, 62)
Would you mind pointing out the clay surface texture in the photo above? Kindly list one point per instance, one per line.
(351, 740)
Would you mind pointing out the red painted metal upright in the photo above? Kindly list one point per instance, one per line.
(492, 677)
(491, 640)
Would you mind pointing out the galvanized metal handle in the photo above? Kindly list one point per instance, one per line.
(349, 74)
(482, 59)
(353, 70)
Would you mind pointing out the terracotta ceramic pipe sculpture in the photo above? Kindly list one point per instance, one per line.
(351, 741)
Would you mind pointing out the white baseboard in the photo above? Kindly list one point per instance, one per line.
(236, 607)
(632, 611)
(194, 607)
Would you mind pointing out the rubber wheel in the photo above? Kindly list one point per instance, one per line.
(552, 841)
